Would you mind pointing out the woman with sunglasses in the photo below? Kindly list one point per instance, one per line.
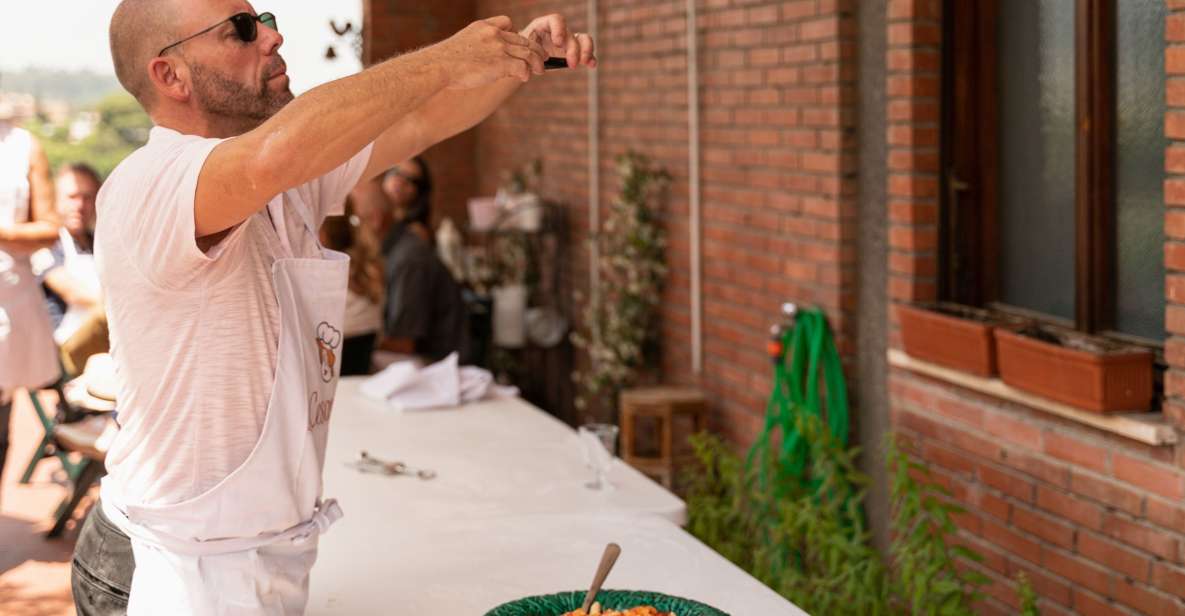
(225, 312)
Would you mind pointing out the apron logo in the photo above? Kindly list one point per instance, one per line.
(328, 339)
(319, 410)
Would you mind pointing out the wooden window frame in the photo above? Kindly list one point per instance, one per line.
(969, 250)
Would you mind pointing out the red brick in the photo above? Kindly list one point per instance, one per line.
(1174, 322)
(1114, 556)
(914, 34)
(1077, 451)
(1174, 125)
(1010, 541)
(1007, 483)
(1043, 526)
(1141, 537)
(1174, 256)
(1174, 62)
(1012, 430)
(1174, 27)
(1174, 156)
(960, 411)
(1169, 578)
(949, 459)
(1077, 570)
(1037, 466)
(1174, 191)
(913, 212)
(1087, 604)
(1174, 289)
(1158, 479)
(993, 505)
(1166, 515)
(973, 443)
(1149, 602)
(1107, 492)
(1076, 510)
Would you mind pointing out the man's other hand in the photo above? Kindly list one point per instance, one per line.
(551, 31)
(487, 51)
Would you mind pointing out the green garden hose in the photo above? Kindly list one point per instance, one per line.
(799, 350)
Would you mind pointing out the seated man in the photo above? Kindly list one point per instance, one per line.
(425, 314)
(71, 283)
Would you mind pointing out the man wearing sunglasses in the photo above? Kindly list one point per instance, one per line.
(225, 313)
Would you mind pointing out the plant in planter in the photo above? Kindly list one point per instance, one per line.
(1085, 372)
(954, 336)
(620, 335)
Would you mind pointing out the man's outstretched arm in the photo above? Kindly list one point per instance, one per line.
(452, 111)
(322, 129)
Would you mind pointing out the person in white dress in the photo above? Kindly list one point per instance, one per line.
(225, 312)
(28, 357)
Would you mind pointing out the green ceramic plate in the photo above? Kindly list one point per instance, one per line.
(564, 602)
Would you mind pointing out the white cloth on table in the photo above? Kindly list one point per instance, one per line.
(405, 386)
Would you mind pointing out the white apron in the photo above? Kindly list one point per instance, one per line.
(28, 357)
(84, 271)
(246, 546)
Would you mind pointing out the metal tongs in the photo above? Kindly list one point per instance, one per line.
(369, 464)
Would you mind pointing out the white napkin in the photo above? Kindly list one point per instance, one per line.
(444, 384)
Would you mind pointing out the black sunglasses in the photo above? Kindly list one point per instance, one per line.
(246, 26)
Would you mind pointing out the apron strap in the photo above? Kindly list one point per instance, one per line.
(325, 515)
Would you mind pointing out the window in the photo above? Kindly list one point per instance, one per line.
(1053, 157)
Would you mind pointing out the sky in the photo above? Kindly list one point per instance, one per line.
(72, 34)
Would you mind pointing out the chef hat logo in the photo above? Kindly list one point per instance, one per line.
(328, 339)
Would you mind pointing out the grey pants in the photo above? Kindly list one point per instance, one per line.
(5, 421)
(102, 569)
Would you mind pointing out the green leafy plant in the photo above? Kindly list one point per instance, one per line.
(620, 334)
(925, 576)
(1028, 597)
(807, 539)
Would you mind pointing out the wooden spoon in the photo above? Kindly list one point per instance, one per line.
(608, 559)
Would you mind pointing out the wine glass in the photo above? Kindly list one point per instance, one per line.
(600, 446)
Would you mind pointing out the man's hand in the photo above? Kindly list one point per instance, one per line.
(551, 32)
(487, 51)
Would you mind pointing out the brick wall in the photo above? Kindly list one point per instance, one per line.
(1094, 520)
(778, 188)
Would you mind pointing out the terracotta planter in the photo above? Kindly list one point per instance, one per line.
(1083, 372)
(952, 336)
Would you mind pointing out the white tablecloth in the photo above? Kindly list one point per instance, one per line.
(465, 568)
(508, 516)
(494, 458)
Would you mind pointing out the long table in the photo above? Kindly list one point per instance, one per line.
(507, 516)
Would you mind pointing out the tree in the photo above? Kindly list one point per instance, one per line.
(122, 127)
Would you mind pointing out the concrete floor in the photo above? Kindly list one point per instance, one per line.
(34, 571)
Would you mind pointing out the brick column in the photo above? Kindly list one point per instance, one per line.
(914, 71)
(1174, 223)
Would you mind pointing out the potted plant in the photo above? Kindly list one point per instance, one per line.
(952, 335)
(621, 323)
(1085, 372)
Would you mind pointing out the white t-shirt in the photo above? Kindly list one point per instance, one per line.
(194, 335)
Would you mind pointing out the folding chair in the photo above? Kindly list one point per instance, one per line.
(48, 448)
(85, 438)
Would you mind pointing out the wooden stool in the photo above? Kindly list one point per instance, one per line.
(668, 406)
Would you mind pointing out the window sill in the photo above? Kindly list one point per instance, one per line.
(1148, 428)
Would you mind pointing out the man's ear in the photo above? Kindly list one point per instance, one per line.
(169, 78)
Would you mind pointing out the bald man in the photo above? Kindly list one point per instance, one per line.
(225, 312)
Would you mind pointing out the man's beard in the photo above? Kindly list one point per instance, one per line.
(233, 105)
